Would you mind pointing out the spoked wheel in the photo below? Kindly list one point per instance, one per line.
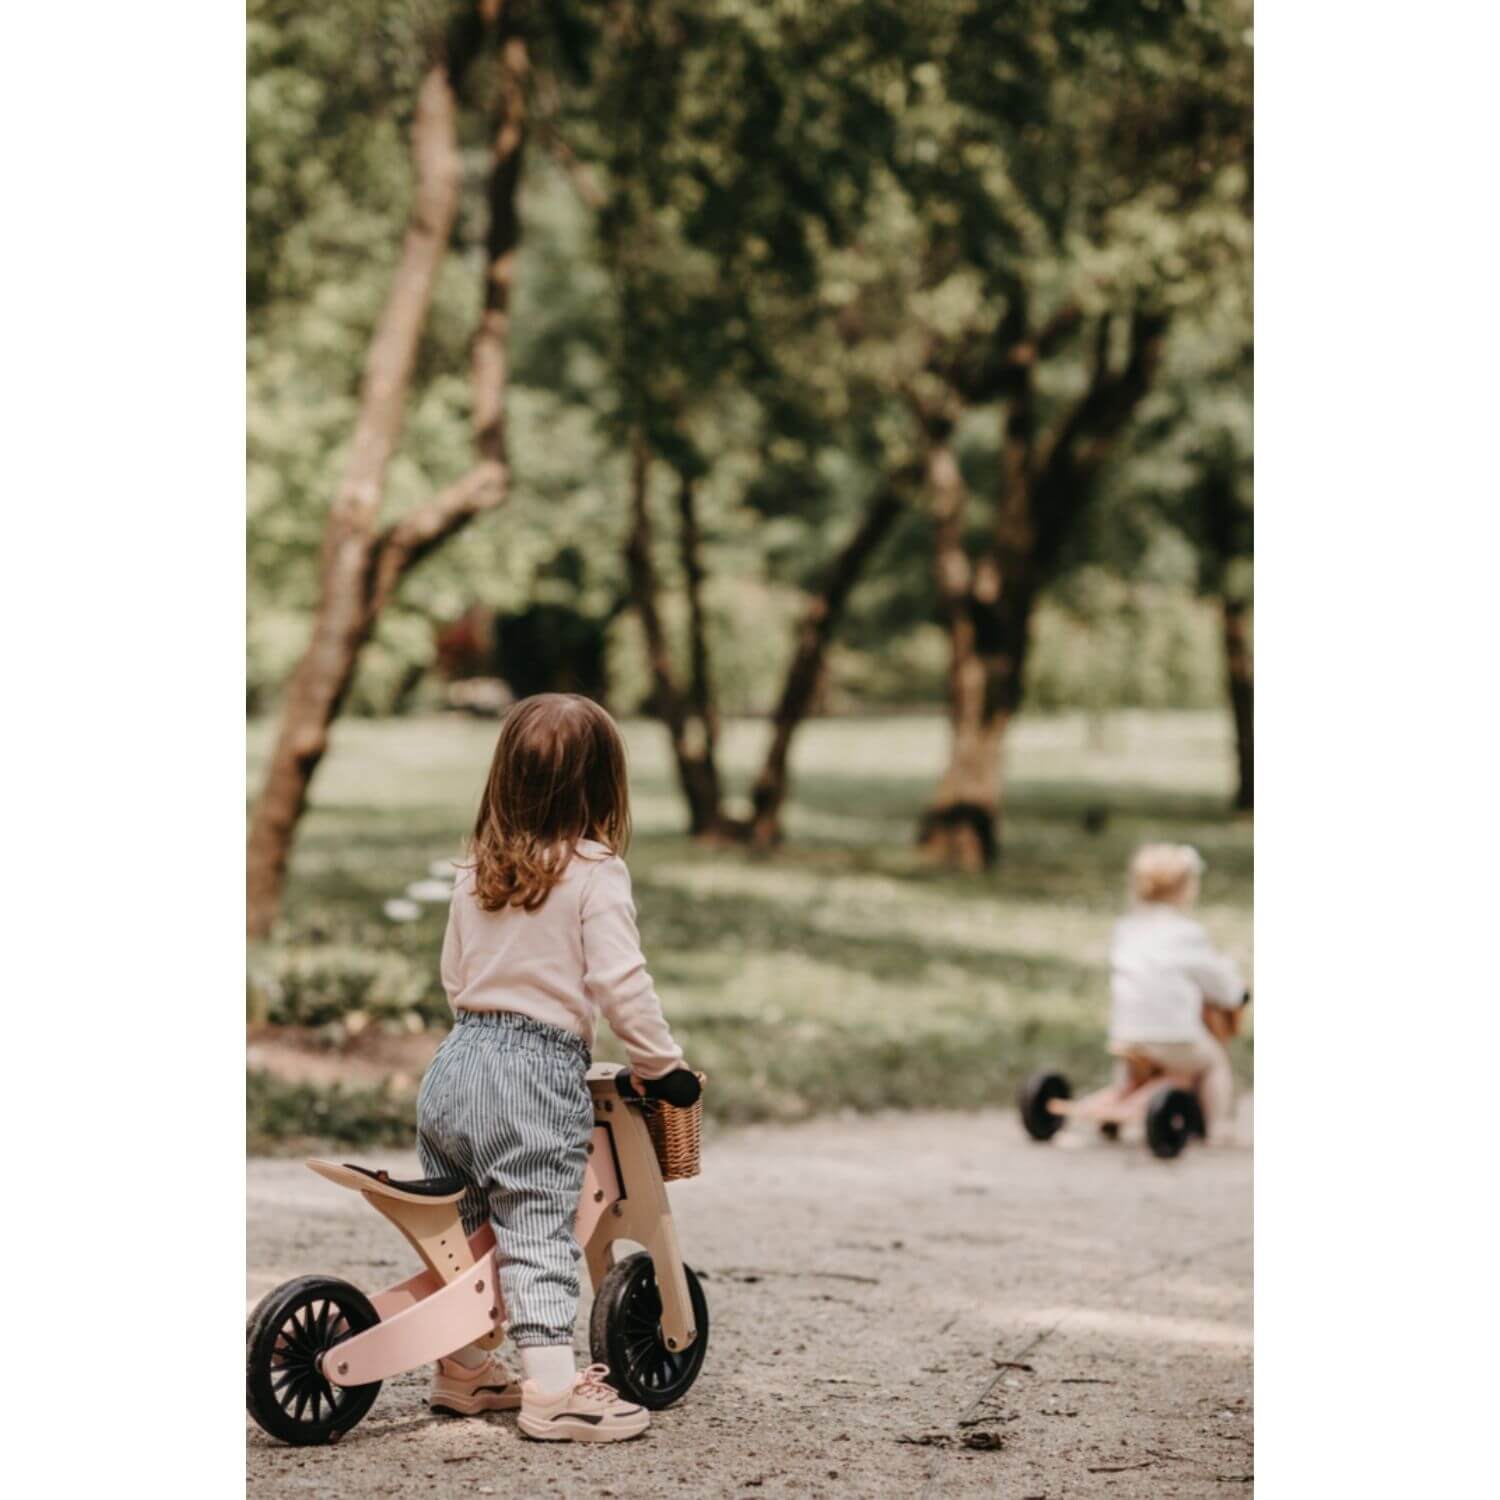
(1171, 1117)
(1036, 1093)
(285, 1391)
(625, 1334)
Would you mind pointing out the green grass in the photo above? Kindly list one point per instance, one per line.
(842, 973)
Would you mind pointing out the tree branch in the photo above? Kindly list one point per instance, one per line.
(393, 347)
(406, 541)
(814, 633)
(990, 369)
(1107, 405)
(491, 369)
(1068, 465)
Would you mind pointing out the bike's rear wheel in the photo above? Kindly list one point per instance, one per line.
(1171, 1117)
(285, 1391)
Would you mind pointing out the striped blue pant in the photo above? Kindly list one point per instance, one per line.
(505, 1105)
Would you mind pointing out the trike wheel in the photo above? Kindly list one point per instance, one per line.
(285, 1391)
(1036, 1093)
(1171, 1118)
(625, 1334)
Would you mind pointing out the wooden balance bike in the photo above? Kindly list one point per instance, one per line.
(1166, 1102)
(317, 1348)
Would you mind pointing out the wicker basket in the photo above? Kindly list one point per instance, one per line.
(677, 1135)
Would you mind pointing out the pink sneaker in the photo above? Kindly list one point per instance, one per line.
(466, 1393)
(588, 1411)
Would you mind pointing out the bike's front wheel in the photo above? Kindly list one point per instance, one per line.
(625, 1334)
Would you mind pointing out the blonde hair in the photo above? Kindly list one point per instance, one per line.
(558, 776)
(1166, 873)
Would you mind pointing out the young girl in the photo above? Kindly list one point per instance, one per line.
(1163, 970)
(541, 941)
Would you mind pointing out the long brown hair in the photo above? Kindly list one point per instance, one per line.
(558, 776)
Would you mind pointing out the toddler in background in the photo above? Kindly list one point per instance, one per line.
(1163, 970)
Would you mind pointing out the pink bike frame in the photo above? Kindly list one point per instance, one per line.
(425, 1317)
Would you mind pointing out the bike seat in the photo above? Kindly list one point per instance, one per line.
(411, 1190)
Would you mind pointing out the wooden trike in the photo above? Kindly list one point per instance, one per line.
(1165, 1102)
(317, 1348)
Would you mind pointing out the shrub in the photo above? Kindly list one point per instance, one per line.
(283, 1117)
(315, 985)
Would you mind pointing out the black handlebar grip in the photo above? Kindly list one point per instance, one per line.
(680, 1087)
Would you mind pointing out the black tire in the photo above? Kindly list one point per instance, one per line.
(1170, 1118)
(1041, 1124)
(625, 1334)
(289, 1329)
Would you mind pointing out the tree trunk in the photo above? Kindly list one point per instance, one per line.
(1240, 672)
(988, 642)
(690, 723)
(987, 605)
(361, 568)
(701, 688)
(958, 829)
(805, 672)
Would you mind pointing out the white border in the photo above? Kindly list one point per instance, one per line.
(1377, 540)
(122, 473)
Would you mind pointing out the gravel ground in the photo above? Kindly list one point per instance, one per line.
(916, 1305)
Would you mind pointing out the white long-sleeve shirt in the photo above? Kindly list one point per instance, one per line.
(576, 957)
(1162, 968)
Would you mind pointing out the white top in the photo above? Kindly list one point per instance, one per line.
(576, 957)
(1162, 968)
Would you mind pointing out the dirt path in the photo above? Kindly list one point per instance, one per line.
(918, 1305)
